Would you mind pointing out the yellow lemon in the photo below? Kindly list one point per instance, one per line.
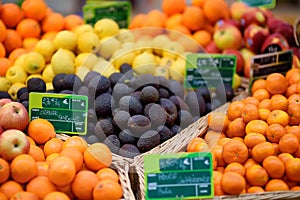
(122, 56)
(105, 68)
(19, 60)
(108, 46)
(62, 62)
(33, 62)
(48, 73)
(16, 74)
(162, 71)
(87, 60)
(172, 50)
(177, 69)
(14, 88)
(65, 39)
(82, 29)
(125, 35)
(49, 86)
(144, 63)
(87, 42)
(106, 27)
(81, 72)
(236, 81)
(4, 84)
(45, 48)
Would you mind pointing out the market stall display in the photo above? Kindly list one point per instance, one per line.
(88, 103)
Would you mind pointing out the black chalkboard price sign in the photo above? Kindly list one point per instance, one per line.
(178, 176)
(67, 113)
(209, 70)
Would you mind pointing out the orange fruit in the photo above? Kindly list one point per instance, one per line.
(10, 14)
(235, 167)
(56, 196)
(107, 189)
(49, 35)
(294, 130)
(251, 100)
(292, 168)
(75, 155)
(255, 189)
(217, 151)
(234, 109)
(217, 121)
(107, 173)
(233, 183)
(217, 177)
(171, 7)
(197, 145)
(34, 9)
(36, 153)
(24, 195)
(278, 117)
(253, 139)
(203, 37)
(276, 148)
(274, 132)
(285, 157)
(294, 113)
(62, 171)
(5, 63)
(54, 145)
(53, 22)
(294, 99)
(179, 30)
(4, 170)
(23, 168)
(2, 50)
(258, 84)
(266, 104)
(290, 72)
(51, 157)
(256, 175)
(293, 79)
(261, 94)
(29, 43)
(257, 126)
(42, 168)
(276, 185)
(29, 28)
(137, 21)
(199, 3)
(83, 184)
(3, 31)
(295, 188)
(72, 21)
(292, 89)
(97, 156)
(174, 20)
(262, 150)
(215, 10)
(249, 113)
(41, 130)
(274, 166)
(41, 186)
(12, 41)
(250, 162)
(279, 102)
(16, 53)
(276, 83)
(10, 187)
(264, 113)
(193, 18)
(236, 128)
(235, 151)
(76, 142)
(288, 143)
(212, 137)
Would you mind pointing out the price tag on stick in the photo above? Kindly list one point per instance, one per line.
(67, 113)
(178, 176)
(264, 64)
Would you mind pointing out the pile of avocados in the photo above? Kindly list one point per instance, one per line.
(132, 113)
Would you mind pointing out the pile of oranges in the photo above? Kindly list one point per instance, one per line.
(256, 144)
(196, 20)
(23, 26)
(57, 169)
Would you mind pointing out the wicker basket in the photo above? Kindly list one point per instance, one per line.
(179, 143)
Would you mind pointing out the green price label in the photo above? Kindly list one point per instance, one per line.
(118, 11)
(67, 113)
(261, 3)
(209, 70)
(178, 176)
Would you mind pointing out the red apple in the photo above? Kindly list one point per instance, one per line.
(1, 130)
(228, 37)
(253, 15)
(212, 48)
(296, 51)
(14, 115)
(287, 30)
(4, 101)
(226, 22)
(274, 43)
(247, 55)
(254, 36)
(13, 143)
(239, 59)
(273, 23)
(237, 9)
